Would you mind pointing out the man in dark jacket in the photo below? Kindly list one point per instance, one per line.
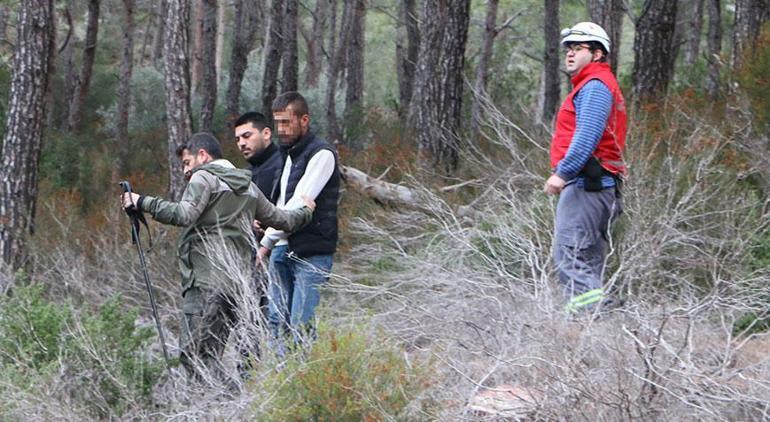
(301, 261)
(253, 136)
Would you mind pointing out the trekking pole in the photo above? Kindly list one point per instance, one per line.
(136, 216)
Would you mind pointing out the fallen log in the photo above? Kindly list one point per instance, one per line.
(379, 190)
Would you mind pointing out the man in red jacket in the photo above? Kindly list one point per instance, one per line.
(587, 163)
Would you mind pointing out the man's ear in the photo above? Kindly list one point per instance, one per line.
(305, 120)
(597, 55)
(203, 156)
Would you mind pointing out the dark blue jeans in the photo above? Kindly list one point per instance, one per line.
(294, 293)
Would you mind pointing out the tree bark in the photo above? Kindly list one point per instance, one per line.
(750, 15)
(196, 46)
(177, 78)
(147, 34)
(272, 61)
(244, 35)
(714, 48)
(551, 60)
(482, 69)
(314, 63)
(609, 15)
(221, 16)
(290, 56)
(89, 55)
(354, 92)
(654, 50)
(157, 40)
(68, 60)
(407, 61)
(124, 87)
(439, 82)
(694, 34)
(208, 88)
(338, 47)
(22, 141)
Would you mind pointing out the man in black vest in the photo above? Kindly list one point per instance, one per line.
(301, 261)
(253, 135)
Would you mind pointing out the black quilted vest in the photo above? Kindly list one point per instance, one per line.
(320, 236)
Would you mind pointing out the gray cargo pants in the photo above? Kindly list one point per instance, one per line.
(581, 233)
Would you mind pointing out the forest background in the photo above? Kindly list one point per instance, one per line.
(443, 301)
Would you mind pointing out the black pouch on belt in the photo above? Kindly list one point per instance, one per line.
(592, 173)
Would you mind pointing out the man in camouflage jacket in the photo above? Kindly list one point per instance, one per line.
(214, 249)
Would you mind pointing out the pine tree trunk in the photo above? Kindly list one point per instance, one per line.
(20, 152)
(196, 47)
(609, 15)
(89, 55)
(694, 34)
(67, 58)
(244, 35)
(290, 58)
(482, 69)
(338, 47)
(552, 60)
(714, 47)
(208, 88)
(272, 61)
(407, 60)
(124, 88)
(157, 39)
(147, 35)
(221, 16)
(750, 15)
(439, 82)
(314, 63)
(354, 92)
(177, 77)
(654, 50)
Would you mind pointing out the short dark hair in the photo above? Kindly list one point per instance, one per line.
(180, 150)
(293, 99)
(207, 142)
(596, 45)
(258, 120)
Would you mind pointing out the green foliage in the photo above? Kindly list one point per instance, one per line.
(345, 377)
(103, 351)
(112, 342)
(31, 329)
(751, 323)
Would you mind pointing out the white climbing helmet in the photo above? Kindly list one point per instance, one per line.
(585, 31)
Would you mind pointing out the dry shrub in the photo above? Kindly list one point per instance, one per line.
(473, 285)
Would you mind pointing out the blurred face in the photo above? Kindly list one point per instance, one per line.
(251, 141)
(289, 126)
(578, 55)
(191, 161)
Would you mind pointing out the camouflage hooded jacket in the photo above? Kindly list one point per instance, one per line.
(216, 209)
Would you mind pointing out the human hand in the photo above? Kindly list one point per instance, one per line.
(129, 200)
(263, 254)
(308, 202)
(256, 226)
(554, 185)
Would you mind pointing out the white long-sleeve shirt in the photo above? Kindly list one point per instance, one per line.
(319, 170)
